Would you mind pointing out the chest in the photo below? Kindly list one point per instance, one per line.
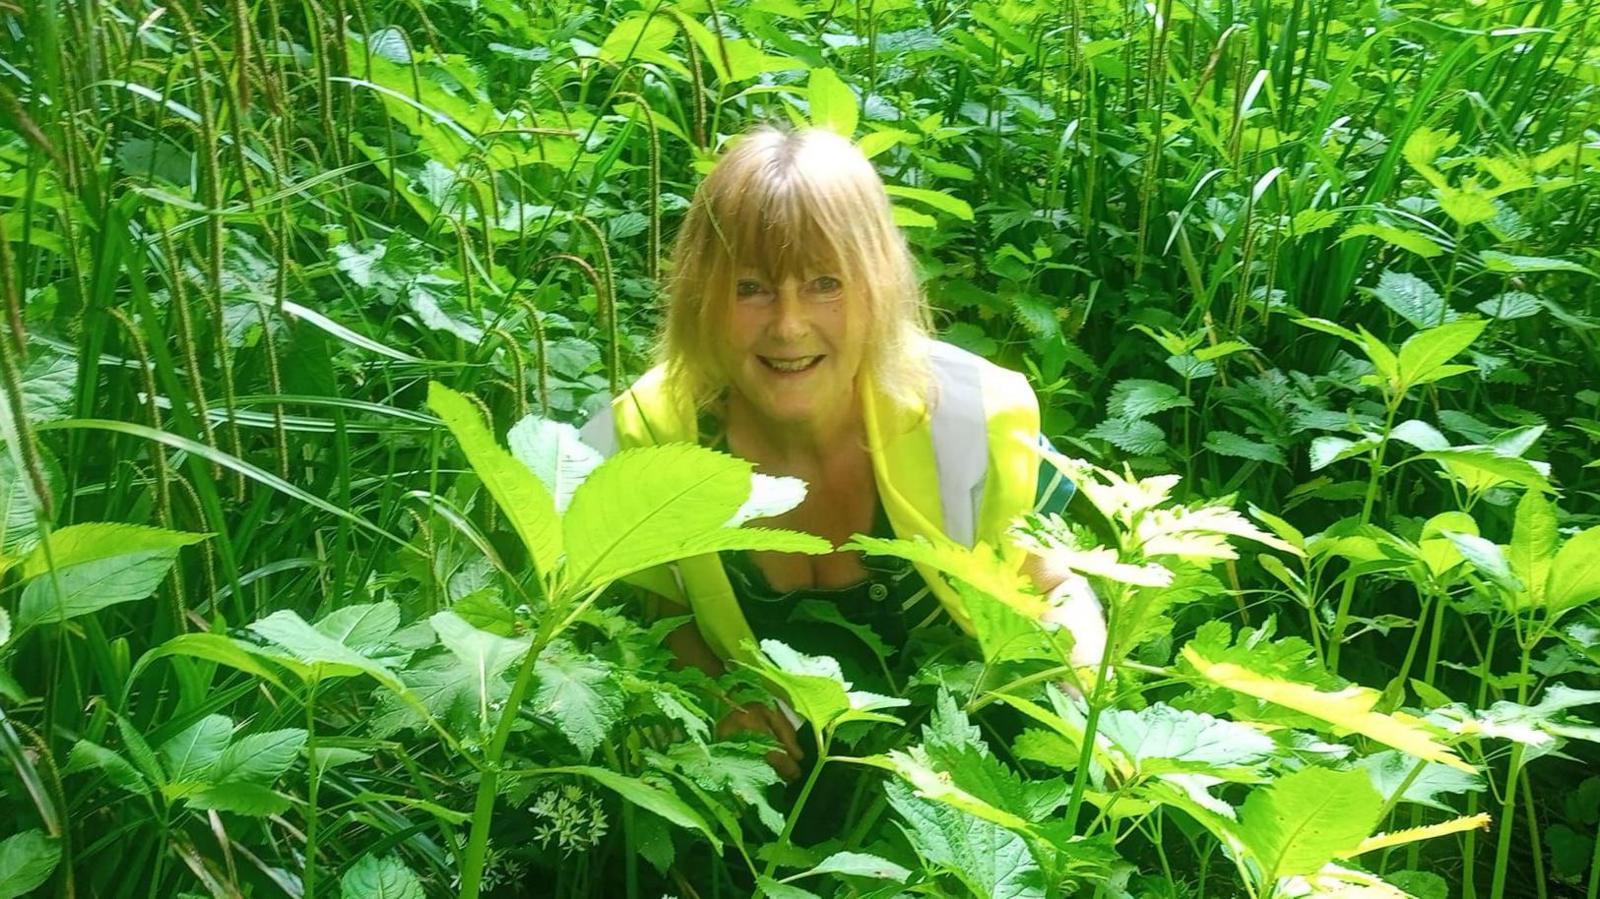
(841, 500)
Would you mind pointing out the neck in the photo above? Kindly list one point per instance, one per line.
(791, 442)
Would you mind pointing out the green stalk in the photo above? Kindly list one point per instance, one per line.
(314, 780)
(1508, 808)
(793, 819)
(1341, 618)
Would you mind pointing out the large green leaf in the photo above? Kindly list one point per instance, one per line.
(86, 756)
(1390, 770)
(189, 757)
(576, 692)
(555, 454)
(1575, 572)
(485, 655)
(1306, 819)
(989, 860)
(646, 507)
(833, 104)
(364, 628)
(524, 500)
(1412, 298)
(326, 656)
(259, 758)
(1423, 356)
(98, 565)
(816, 687)
(380, 877)
(1534, 541)
(1161, 738)
(26, 861)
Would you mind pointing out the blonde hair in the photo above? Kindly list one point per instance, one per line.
(794, 204)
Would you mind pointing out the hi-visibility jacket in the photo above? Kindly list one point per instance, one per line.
(961, 467)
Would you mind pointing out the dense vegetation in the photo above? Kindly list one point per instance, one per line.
(280, 614)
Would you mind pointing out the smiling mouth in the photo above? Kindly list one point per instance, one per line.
(791, 366)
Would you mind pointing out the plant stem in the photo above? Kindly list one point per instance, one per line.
(313, 782)
(800, 802)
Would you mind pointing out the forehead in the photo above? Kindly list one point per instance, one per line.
(781, 227)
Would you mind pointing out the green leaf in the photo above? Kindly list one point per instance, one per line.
(1534, 541)
(26, 862)
(19, 526)
(1508, 264)
(989, 860)
(649, 506)
(223, 650)
(650, 798)
(555, 454)
(729, 768)
(77, 544)
(1135, 436)
(1423, 356)
(1137, 398)
(485, 655)
(815, 685)
(833, 104)
(240, 798)
(860, 864)
(525, 502)
(1411, 298)
(777, 889)
(1419, 434)
(1512, 304)
(87, 756)
(577, 693)
(259, 758)
(189, 756)
(1306, 819)
(97, 565)
(1575, 572)
(327, 656)
(1160, 739)
(1390, 769)
(5, 627)
(906, 217)
(1404, 238)
(365, 628)
(1480, 469)
(380, 877)
(1468, 206)
(937, 199)
(1227, 443)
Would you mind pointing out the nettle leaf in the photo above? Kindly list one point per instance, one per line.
(1511, 305)
(1351, 708)
(1227, 443)
(1183, 740)
(259, 758)
(86, 756)
(189, 756)
(577, 693)
(989, 860)
(1306, 819)
(486, 656)
(646, 507)
(1135, 436)
(739, 769)
(817, 688)
(556, 455)
(1534, 540)
(1506, 263)
(1136, 398)
(1389, 770)
(326, 656)
(1326, 450)
(27, 860)
(1412, 298)
(524, 500)
(380, 877)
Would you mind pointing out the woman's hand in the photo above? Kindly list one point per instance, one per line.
(761, 718)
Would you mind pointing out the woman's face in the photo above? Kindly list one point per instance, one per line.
(795, 346)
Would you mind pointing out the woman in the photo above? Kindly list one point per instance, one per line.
(797, 338)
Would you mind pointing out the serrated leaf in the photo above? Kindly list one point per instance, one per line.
(1534, 543)
(1468, 206)
(1419, 434)
(1136, 398)
(1507, 263)
(1306, 819)
(1036, 314)
(1513, 304)
(1351, 708)
(259, 758)
(1574, 577)
(1423, 356)
(577, 693)
(486, 656)
(1427, 832)
(1160, 738)
(27, 860)
(524, 500)
(1411, 298)
(645, 507)
(1389, 770)
(326, 656)
(861, 864)
(1136, 436)
(86, 756)
(989, 860)
(379, 877)
(1227, 443)
(250, 799)
(833, 104)
(1484, 468)
(556, 455)
(189, 756)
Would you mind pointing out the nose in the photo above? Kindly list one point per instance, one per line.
(790, 322)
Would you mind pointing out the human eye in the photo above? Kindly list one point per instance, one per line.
(826, 286)
(750, 290)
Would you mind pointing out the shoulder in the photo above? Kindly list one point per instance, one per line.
(964, 378)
